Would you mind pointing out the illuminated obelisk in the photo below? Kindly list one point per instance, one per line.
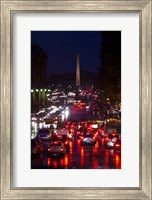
(78, 71)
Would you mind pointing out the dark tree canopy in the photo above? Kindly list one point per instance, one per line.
(109, 79)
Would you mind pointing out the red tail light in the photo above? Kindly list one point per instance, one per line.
(48, 149)
(106, 138)
(66, 142)
(117, 145)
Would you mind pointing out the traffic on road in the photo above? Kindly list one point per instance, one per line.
(81, 133)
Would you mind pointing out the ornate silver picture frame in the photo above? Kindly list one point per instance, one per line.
(8, 10)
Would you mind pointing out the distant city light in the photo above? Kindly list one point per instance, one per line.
(63, 117)
(66, 113)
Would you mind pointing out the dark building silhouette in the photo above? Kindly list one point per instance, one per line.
(38, 67)
(38, 77)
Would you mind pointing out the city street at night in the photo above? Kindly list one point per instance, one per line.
(72, 121)
(76, 100)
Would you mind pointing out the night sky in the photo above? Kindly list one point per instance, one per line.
(62, 46)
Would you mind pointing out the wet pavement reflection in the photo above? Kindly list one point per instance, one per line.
(79, 157)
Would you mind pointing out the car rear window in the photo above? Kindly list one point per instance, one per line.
(55, 143)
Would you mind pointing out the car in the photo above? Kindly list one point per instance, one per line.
(66, 143)
(71, 130)
(56, 148)
(69, 125)
(80, 132)
(70, 136)
(101, 129)
(110, 140)
(62, 131)
(44, 134)
(101, 133)
(94, 126)
(117, 144)
(64, 139)
(88, 139)
(36, 146)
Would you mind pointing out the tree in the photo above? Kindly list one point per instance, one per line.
(109, 73)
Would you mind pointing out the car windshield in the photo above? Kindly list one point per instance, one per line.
(43, 131)
(88, 135)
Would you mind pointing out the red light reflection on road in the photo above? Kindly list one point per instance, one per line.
(95, 150)
(66, 161)
(106, 159)
(61, 162)
(81, 157)
(82, 152)
(48, 162)
(78, 142)
(96, 145)
(55, 164)
(70, 144)
(102, 142)
(117, 161)
(94, 163)
(71, 150)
